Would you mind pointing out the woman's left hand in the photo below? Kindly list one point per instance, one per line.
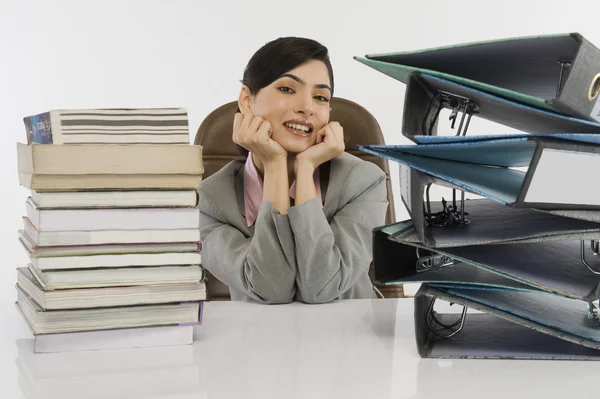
(329, 144)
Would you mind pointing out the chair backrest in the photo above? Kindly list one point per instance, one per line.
(218, 149)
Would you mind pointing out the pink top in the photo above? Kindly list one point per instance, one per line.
(253, 190)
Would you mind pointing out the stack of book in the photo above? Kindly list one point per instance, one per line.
(111, 229)
(525, 252)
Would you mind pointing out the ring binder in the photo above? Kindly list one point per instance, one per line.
(522, 69)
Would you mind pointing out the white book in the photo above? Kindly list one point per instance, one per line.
(82, 298)
(51, 280)
(115, 199)
(112, 219)
(99, 237)
(80, 320)
(117, 260)
(37, 251)
(126, 338)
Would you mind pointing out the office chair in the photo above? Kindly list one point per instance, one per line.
(360, 127)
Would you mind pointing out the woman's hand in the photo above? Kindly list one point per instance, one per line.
(254, 134)
(329, 144)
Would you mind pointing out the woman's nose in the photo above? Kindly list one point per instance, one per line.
(304, 104)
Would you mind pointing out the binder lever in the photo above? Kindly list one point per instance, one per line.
(432, 262)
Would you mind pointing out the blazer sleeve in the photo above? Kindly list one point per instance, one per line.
(261, 266)
(331, 257)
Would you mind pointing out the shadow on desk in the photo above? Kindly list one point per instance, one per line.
(161, 372)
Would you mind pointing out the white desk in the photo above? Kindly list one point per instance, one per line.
(348, 349)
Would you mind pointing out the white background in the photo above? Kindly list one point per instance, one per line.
(93, 54)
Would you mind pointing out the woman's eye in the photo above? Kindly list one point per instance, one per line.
(286, 89)
(322, 98)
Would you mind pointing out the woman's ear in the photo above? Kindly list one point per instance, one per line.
(245, 100)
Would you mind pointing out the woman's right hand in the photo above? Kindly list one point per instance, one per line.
(254, 134)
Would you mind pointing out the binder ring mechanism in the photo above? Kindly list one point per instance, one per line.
(595, 246)
(454, 328)
(457, 104)
(450, 215)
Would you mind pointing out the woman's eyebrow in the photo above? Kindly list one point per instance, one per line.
(297, 79)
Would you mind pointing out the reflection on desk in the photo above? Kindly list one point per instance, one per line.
(167, 372)
(347, 349)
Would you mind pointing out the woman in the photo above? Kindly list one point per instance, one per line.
(293, 222)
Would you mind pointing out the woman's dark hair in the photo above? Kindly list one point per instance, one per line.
(278, 57)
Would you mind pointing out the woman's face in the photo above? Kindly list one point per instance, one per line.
(297, 105)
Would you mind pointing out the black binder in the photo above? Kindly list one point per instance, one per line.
(427, 95)
(559, 73)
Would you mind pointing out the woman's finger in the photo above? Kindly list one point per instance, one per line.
(263, 133)
(237, 123)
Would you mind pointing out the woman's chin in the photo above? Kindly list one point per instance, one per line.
(295, 148)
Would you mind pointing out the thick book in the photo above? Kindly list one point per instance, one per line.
(106, 296)
(554, 72)
(100, 237)
(74, 182)
(107, 318)
(111, 219)
(38, 251)
(115, 199)
(117, 276)
(99, 126)
(112, 260)
(110, 159)
(487, 168)
(115, 339)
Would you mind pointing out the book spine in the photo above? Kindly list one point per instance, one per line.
(39, 128)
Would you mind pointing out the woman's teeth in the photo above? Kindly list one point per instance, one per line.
(297, 127)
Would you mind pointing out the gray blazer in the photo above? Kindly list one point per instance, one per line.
(312, 254)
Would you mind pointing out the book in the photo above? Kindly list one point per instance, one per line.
(112, 219)
(114, 260)
(100, 237)
(92, 126)
(69, 182)
(109, 159)
(117, 276)
(109, 318)
(81, 298)
(36, 251)
(116, 339)
(115, 199)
